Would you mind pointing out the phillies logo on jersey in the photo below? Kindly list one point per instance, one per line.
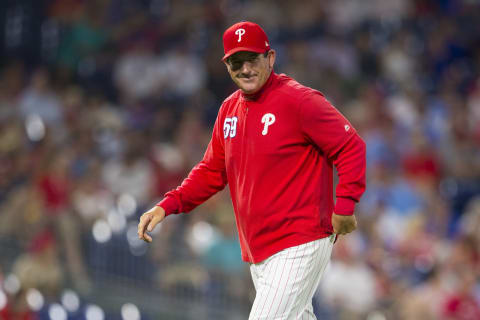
(268, 119)
(240, 32)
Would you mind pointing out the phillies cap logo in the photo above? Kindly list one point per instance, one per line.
(240, 33)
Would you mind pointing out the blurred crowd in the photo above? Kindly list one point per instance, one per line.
(105, 105)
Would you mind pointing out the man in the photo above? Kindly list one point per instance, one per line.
(275, 143)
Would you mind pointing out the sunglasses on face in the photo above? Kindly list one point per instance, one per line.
(237, 60)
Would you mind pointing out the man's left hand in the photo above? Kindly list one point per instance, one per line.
(343, 224)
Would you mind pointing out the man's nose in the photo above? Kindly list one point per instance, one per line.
(246, 67)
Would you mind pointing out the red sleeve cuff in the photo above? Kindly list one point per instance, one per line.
(344, 206)
(169, 204)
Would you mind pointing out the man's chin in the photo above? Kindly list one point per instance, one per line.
(249, 88)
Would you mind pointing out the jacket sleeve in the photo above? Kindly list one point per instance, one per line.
(323, 125)
(204, 180)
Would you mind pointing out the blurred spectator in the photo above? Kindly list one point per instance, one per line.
(463, 304)
(191, 138)
(169, 166)
(131, 174)
(223, 255)
(54, 184)
(182, 73)
(85, 36)
(16, 308)
(19, 215)
(136, 72)
(90, 199)
(40, 267)
(348, 285)
(40, 99)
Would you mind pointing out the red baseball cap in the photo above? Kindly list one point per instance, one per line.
(244, 36)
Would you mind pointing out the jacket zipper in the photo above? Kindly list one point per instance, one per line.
(245, 133)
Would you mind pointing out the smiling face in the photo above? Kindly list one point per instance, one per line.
(250, 70)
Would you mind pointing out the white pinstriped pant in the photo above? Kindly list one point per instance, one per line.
(285, 282)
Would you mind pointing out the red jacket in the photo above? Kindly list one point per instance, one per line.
(276, 150)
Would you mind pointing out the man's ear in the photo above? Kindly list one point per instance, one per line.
(271, 58)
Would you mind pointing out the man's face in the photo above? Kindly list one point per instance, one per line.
(250, 70)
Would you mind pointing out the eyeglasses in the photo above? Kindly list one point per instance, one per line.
(236, 61)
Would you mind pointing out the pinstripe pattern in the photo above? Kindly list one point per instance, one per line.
(320, 264)
(285, 282)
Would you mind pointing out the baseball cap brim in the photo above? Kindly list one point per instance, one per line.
(238, 49)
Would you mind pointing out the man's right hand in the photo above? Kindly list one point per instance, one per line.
(148, 221)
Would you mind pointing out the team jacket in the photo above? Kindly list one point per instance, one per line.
(276, 150)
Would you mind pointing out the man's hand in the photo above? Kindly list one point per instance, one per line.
(148, 221)
(343, 224)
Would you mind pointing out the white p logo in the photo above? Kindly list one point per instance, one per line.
(240, 33)
(268, 119)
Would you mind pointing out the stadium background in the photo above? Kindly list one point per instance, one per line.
(107, 104)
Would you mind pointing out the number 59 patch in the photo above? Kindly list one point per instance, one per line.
(230, 127)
